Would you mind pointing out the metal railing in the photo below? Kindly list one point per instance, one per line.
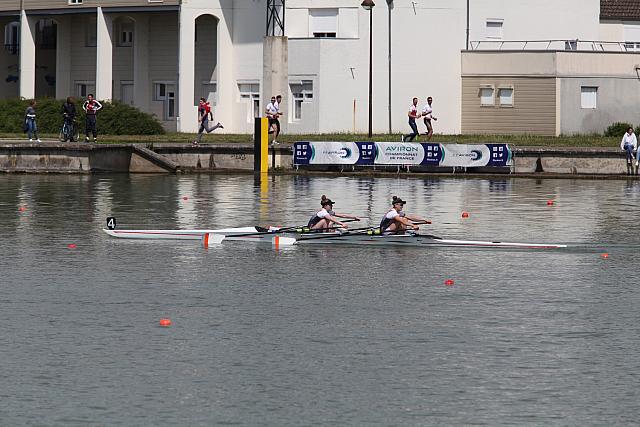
(556, 45)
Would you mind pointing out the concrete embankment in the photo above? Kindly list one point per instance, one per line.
(172, 158)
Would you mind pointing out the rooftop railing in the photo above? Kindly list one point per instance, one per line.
(556, 45)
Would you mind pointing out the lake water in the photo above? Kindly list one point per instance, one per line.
(322, 335)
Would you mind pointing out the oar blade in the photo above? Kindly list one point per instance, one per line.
(212, 239)
(282, 241)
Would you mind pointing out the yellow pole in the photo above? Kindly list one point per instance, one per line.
(264, 145)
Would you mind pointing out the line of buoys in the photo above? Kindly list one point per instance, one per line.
(165, 323)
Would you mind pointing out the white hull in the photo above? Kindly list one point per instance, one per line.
(183, 234)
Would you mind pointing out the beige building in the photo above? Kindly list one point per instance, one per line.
(548, 92)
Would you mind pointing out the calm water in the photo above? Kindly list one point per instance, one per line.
(317, 335)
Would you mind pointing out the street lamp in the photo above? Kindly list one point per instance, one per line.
(368, 5)
(390, 4)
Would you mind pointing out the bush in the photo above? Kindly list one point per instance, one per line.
(115, 118)
(617, 129)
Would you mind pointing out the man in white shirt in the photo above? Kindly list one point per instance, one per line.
(413, 115)
(629, 144)
(273, 113)
(427, 113)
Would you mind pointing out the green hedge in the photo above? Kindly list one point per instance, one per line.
(617, 129)
(114, 118)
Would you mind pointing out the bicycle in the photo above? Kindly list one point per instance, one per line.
(69, 131)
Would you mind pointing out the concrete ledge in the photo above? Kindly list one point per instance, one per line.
(211, 158)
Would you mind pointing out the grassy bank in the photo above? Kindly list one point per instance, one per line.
(515, 140)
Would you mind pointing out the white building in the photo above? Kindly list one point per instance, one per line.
(162, 55)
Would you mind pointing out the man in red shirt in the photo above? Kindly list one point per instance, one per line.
(204, 114)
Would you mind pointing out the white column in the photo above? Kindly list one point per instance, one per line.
(104, 60)
(141, 83)
(27, 56)
(224, 75)
(187, 111)
(63, 59)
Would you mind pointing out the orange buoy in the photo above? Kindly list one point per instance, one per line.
(465, 214)
(449, 282)
(72, 246)
(165, 322)
(549, 202)
(604, 256)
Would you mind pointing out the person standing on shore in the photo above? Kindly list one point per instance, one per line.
(69, 114)
(629, 144)
(427, 113)
(204, 114)
(413, 115)
(30, 121)
(273, 114)
(91, 107)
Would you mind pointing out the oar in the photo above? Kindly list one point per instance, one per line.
(261, 230)
(290, 241)
(212, 239)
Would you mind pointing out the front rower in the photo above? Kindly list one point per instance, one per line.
(323, 219)
(396, 221)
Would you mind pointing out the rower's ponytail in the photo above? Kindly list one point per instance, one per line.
(395, 198)
(323, 200)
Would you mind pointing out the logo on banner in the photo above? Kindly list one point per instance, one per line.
(476, 155)
(393, 153)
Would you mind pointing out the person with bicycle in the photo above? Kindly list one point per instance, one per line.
(69, 113)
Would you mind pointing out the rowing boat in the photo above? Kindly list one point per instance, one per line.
(409, 239)
(252, 233)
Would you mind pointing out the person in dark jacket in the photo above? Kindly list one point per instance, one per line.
(69, 113)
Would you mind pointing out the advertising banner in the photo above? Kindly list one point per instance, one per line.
(399, 153)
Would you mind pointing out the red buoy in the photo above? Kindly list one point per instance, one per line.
(72, 246)
(449, 282)
(22, 209)
(549, 202)
(604, 256)
(185, 198)
(465, 214)
(165, 322)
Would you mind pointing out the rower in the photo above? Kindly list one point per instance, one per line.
(323, 219)
(396, 221)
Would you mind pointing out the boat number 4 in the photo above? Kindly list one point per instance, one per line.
(111, 223)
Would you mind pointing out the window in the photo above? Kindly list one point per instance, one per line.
(125, 35)
(632, 37)
(301, 92)
(494, 28)
(250, 94)
(505, 95)
(588, 97)
(46, 33)
(486, 96)
(165, 92)
(323, 23)
(91, 33)
(75, 1)
(85, 88)
(12, 38)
